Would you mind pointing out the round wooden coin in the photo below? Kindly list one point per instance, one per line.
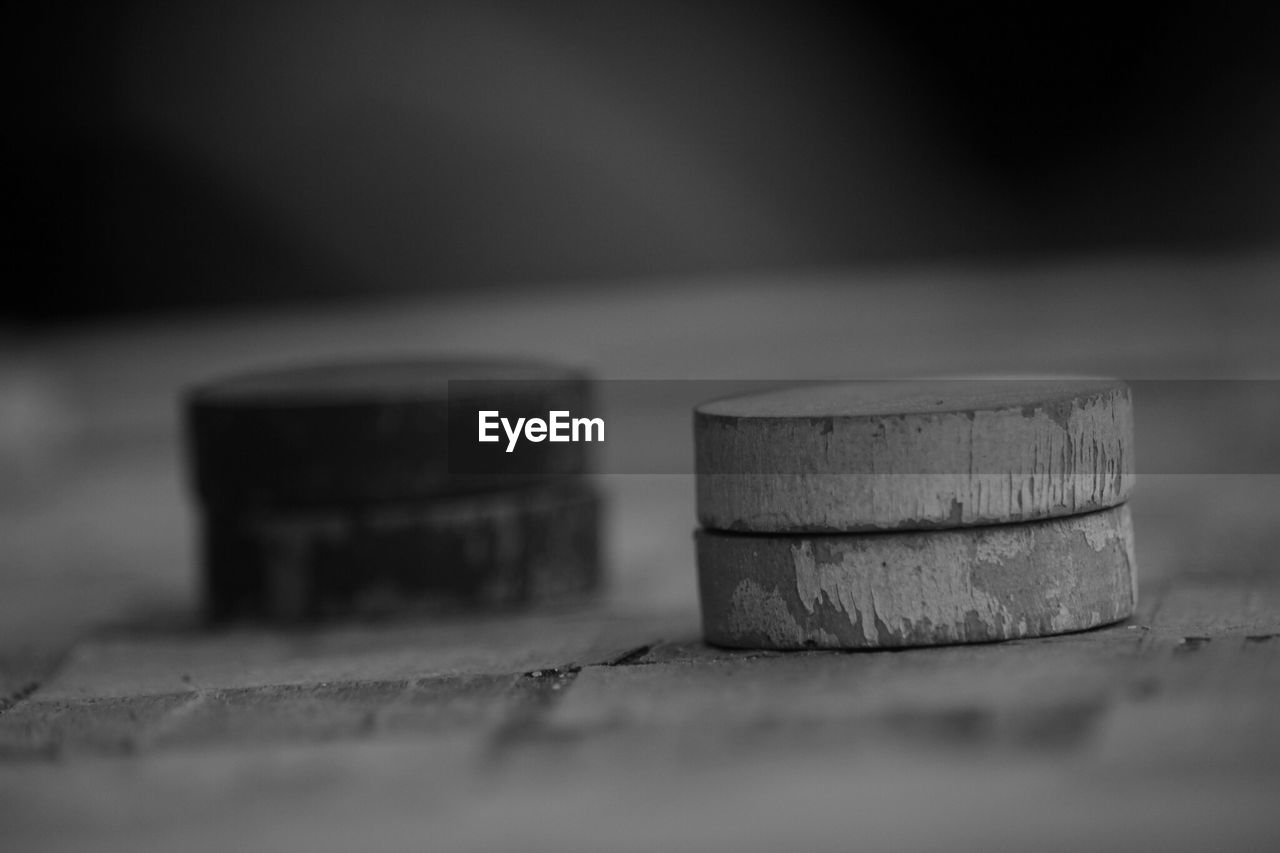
(485, 551)
(912, 455)
(343, 433)
(888, 590)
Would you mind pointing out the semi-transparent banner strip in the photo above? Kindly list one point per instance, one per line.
(639, 426)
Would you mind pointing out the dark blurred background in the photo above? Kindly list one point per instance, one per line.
(184, 155)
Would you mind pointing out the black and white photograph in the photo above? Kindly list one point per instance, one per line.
(574, 426)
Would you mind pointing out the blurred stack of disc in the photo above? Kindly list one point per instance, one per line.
(330, 491)
(889, 514)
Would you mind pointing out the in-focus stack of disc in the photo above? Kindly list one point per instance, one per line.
(330, 491)
(891, 514)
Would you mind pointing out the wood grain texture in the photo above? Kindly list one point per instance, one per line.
(888, 590)
(912, 455)
(347, 432)
(489, 551)
(1160, 732)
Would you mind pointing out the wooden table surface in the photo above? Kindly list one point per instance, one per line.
(124, 726)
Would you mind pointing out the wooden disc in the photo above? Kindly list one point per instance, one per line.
(342, 433)
(912, 455)
(887, 590)
(485, 551)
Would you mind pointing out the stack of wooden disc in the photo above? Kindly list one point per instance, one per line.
(890, 514)
(330, 491)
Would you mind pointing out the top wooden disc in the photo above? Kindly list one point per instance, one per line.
(908, 455)
(359, 432)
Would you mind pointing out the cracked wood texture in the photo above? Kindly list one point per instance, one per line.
(893, 590)
(913, 455)
(125, 726)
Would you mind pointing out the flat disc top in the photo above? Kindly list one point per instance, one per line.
(325, 384)
(906, 397)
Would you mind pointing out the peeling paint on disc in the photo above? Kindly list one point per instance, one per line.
(913, 455)
(887, 590)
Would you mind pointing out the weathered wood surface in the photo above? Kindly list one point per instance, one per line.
(913, 455)
(925, 588)
(127, 728)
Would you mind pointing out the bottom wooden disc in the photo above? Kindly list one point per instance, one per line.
(887, 590)
(485, 551)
